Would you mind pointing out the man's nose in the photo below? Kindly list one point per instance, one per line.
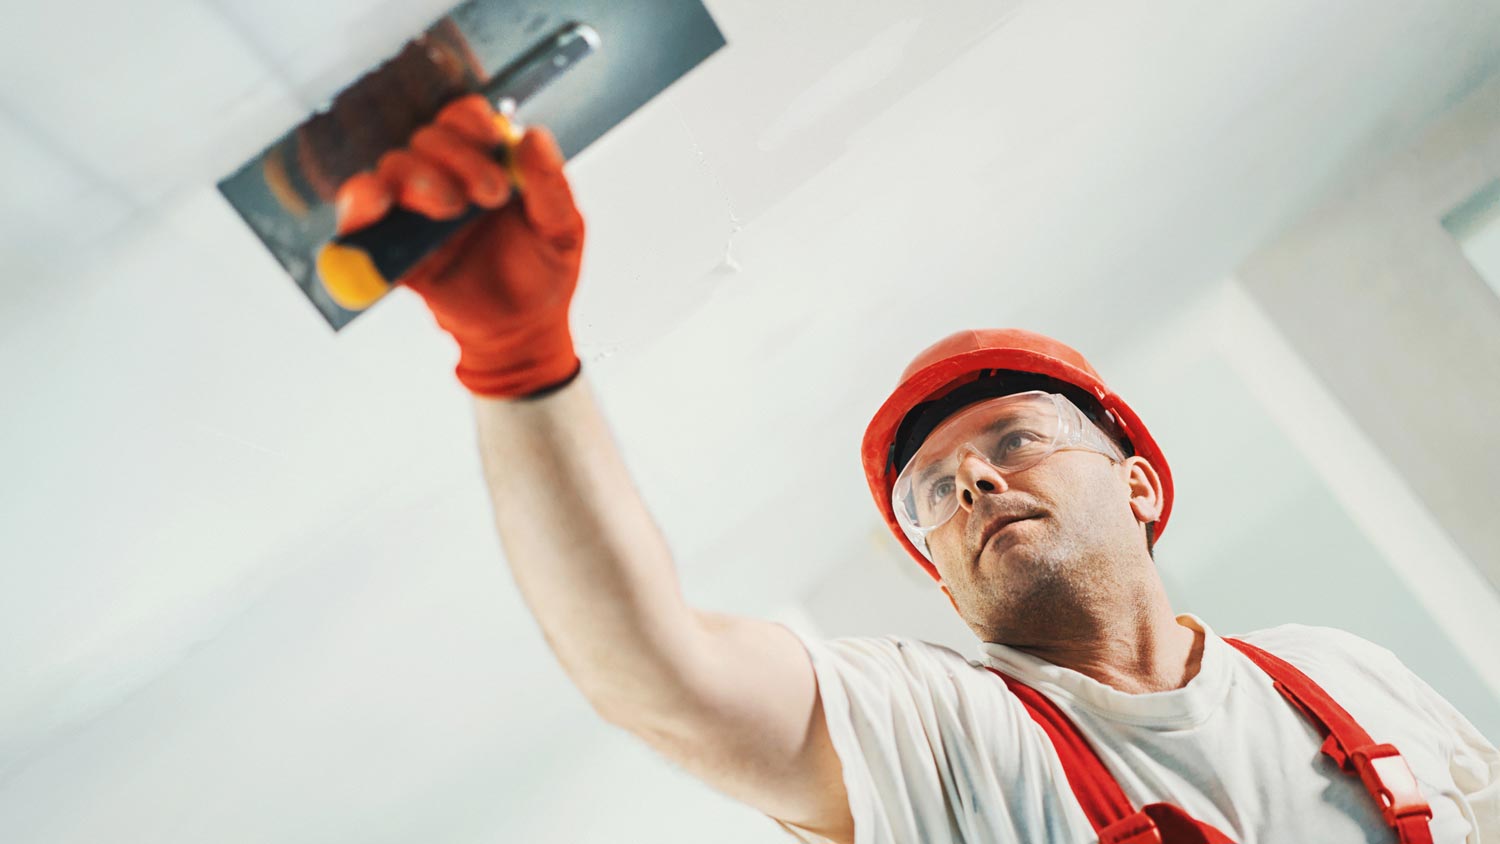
(976, 477)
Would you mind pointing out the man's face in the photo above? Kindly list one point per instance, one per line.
(1024, 546)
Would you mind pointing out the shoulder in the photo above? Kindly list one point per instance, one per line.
(1394, 705)
(887, 672)
(895, 655)
(1304, 642)
(897, 649)
(1327, 647)
(1346, 665)
(930, 742)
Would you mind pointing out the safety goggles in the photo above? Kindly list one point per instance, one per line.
(1011, 433)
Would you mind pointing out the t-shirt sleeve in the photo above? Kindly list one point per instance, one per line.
(1473, 762)
(909, 720)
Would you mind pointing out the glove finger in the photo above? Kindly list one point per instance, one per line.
(547, 197)
(361, 200)
(483, 179)
(421, 186)
(474, 120)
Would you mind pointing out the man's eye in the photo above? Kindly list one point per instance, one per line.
(1016, 440)
(938, 490)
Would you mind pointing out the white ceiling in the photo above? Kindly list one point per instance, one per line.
(249, 589)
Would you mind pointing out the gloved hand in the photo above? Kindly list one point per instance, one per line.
(502, 285)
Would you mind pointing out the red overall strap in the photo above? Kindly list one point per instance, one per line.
(1103, 801)
(1380, 766)
(1109, 811)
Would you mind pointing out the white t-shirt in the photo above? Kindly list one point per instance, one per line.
(935, 749)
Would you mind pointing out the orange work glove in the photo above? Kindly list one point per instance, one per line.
(501, 285)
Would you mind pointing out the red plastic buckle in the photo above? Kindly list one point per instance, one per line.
(1138, 828)
(1390, 780)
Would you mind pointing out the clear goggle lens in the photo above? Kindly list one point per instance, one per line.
(1012, 433)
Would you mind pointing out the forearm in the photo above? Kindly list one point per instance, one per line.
(586, 554)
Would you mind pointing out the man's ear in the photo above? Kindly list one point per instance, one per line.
(1145, 489)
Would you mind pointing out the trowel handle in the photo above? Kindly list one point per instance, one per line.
(359, 267)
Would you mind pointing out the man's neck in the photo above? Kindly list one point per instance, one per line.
(1135, 654)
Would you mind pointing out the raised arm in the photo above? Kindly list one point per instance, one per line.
(732, 700)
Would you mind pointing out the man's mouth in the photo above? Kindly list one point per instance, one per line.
(999, 526)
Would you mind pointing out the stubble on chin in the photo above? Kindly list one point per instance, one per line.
(1040, 586)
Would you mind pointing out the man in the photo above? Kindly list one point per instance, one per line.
(1015, 477)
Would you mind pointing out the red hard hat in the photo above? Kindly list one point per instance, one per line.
(963, 358)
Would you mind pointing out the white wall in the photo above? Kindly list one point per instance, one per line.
(1380, 300)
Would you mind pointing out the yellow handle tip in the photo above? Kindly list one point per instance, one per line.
(350, 277)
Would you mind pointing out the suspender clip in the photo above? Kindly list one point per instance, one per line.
(1390, 780)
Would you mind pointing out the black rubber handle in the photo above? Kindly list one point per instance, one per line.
(402, 238)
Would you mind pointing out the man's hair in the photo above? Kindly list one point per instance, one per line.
(924, 418)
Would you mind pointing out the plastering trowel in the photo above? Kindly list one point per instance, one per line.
(576, 66)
